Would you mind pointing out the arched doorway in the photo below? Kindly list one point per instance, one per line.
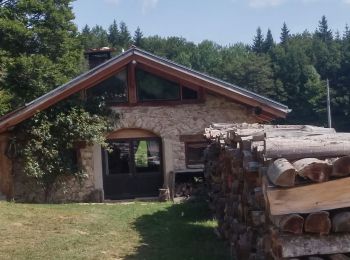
(134, 166)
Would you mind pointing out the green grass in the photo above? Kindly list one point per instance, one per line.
(140, 230)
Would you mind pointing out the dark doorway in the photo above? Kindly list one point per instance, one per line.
(133, 168)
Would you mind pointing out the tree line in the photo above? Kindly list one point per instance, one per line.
(293, 70)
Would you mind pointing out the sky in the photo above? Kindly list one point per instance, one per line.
(223, 21)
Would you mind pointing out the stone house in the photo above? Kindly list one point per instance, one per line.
(163, 107)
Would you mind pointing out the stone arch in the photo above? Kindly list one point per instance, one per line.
(131, 133)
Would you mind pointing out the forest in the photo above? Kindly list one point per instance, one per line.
(292, 69)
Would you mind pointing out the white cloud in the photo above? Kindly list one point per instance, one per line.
(346, 1)
(264, 3)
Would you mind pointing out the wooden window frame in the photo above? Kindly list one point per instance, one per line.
(133, 95)
(192, 139)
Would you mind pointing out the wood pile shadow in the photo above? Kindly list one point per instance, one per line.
(179, 232)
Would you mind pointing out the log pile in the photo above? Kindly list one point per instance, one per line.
(280, 192)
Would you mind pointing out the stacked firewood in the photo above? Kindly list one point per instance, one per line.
(280, 192)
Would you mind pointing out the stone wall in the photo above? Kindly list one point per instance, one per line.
(27, 190)
(169, 122)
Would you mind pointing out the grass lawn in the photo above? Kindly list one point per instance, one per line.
(138, 230)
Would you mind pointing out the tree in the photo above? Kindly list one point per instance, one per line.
(40, 50)
(323, 32)
(137, 40)
(258, 42)
(114, 35)
(41, 45)
(269, 42)
(284, 34)
(125, 37)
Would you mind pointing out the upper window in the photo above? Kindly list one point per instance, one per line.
(153, 88)
(113, 89)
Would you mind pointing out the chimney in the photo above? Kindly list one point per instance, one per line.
(98, 56)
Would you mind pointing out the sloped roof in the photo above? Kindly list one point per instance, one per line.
(270, 108)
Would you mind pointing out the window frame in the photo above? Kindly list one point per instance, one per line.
(187, 159)
(129, 141)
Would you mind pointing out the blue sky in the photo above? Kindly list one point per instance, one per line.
(223, 21)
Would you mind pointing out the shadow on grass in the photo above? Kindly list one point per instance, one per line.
(182, 231)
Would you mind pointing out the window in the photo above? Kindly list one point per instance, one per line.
(152, 88)
(113, 89)
(134, 156)
(188, 94)
(119, 159)
(195, 154)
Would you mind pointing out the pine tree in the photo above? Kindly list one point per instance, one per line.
(346, 35)
(113, 34)
(269, 42)
(258, 42)
(138, 37)
(284, 34)
(125, 37)
(323, 32)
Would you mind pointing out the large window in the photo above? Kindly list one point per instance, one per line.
(152, 88)
(113, 89)
(134, 156)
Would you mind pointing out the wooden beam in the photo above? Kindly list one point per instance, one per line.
(281, 173)
(132, 92)
(318, 146)
(309, 198)
(285, 246)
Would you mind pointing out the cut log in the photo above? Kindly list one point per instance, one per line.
(284, 246)
(338, 257)
(313, 169)
(341, 167)
(309, 198)
(318, 223)
(341, 222)
(292, 223)
(306, 147)
(281, 173)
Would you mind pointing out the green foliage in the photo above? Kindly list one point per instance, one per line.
(269, 42)
(40, 50)
(138, 37)
(258, 42)
(49, 153)
(284, 34)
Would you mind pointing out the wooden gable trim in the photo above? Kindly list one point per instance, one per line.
(187, 78)
(48, 100)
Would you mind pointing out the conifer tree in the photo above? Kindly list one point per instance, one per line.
(114, 34)
(125, 37)
(323, 32)
(269, 42)
(138, 37)
(284, 34)
(258, 42)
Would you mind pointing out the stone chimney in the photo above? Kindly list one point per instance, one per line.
(98, 56)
